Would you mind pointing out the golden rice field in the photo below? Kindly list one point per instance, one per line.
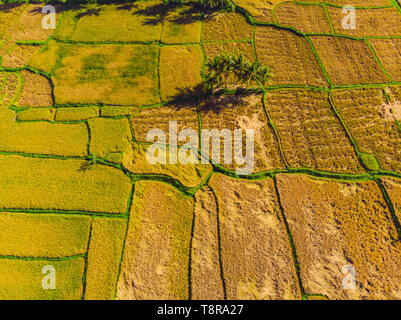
(78, 193)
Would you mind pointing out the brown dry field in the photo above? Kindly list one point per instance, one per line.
(290, 57)
(311, 135)
(369, 22)
(308, 19)
(358, 66)
(393, 188)
(389, 54)
(18, 56)
(244, 113)
(159, 117)
(334, 224)
(223, 27)
(206, 281)
(155, 261)
(255, 251)
(36, 90)
(373, 128)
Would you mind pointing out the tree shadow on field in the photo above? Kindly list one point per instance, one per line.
(217, 104)
(156, 13)
(189, 97)
(7, 7)
(90, 12)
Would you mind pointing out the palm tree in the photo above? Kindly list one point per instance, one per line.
(243, 70)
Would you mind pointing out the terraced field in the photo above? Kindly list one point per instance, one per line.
(77, 192)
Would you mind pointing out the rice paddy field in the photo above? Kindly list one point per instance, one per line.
(78, 194)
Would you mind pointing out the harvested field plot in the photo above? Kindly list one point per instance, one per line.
(369, 22)
(334, 224)
(22, 279)
(261, 10)
(157, 246)
(290, 57)
(225, 26)
(389, 54)
(393, 188)
(366, 114)
(29, 25)
(243, 113)
(36, 90)
(18, 56)
(205, 265)
(348, 61)
(111, 74)
(304, 18)
(160, 117)
(255, 251)
(311, 135)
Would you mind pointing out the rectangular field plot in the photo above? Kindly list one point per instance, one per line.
(156, 254)
(121, 22)
(367, 116)
(338, 227)
(104, 255)
(36, 90)
(304, 18)
(37, 235)
(261, 10)
(32, 183)
(109, 136)
(393, 188)
(206, 280)
(225, 26)
(22, 279)
(242, 113)
(182, 25)
(42, 137)
(148, 119)
(180, 72)
(348, 61)
(389, 54)
(311, 135)
(10, 84)
(108, 74)
(255, 249)
(369, 22)
(290, 57)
